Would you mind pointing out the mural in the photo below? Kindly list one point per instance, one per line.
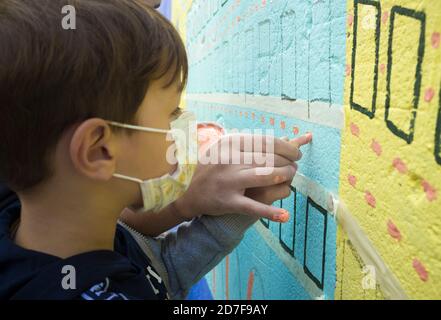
(364, 77)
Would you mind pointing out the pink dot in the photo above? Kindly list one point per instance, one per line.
(393, 230)
(429, 190)
(428, 96)
(399, 165)
(282, 125)
(253, 115)
(385, 17)
(295, 130)
(350, 19)
(420, 269)
(272, 121)
(352, 180)
(241, 113)
(436, 40)
(238, 19)
(382, 68)
(370, 199)
(348, 70)
(262, 119)
(355, 130)
(376, 147)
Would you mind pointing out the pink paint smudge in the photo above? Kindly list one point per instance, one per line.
(436, 39)
(352, 180)
(428, 96)
(385, 17)
(399, 165)
(376, 147)
(272, 121)
(420, 269)
(262, 119)
(295, 130)
(355, 130)
(250, 285)
(282, 125)
(382, 68)
(393, 230)
(429, 190)
(348, 70)
(370, 199)
(253, 115)
(350, 19)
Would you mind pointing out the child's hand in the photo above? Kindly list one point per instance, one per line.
(218, 189)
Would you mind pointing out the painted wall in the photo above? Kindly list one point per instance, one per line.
(364, 77)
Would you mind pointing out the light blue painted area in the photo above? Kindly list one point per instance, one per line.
(165, 8)
(294, 50)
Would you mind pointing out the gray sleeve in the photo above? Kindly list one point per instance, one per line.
(190, 252)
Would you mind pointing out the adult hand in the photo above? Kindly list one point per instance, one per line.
(247, 187)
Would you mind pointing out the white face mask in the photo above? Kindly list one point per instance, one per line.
(159, 192)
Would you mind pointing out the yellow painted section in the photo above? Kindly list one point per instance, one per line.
(180, 10)
(393, 186)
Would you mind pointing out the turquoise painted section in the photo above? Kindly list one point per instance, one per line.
(291, 50)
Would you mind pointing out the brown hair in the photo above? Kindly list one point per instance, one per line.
(51, 78)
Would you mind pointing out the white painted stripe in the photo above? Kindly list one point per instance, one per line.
(389, 284)
(314, 190)
(315, 112)
(291, 263)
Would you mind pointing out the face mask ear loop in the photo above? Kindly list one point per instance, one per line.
(133, 127)
(120, 176)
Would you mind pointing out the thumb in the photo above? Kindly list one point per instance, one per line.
(257, 209)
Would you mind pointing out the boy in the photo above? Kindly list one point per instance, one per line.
(83, 117)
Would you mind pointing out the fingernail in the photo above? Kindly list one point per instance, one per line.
(282, 217)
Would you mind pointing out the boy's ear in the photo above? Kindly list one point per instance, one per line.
(92, 149)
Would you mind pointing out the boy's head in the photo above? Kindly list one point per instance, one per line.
(124, 62)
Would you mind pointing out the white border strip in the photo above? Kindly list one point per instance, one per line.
(315, 112)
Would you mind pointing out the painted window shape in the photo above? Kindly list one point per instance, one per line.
(249, 81)
(235, 57)
(315, 242)
(365, 55)
(225, 69)
(264, 56)
(289, 70)
(402, 97)
(287, 231)
(319, 52)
